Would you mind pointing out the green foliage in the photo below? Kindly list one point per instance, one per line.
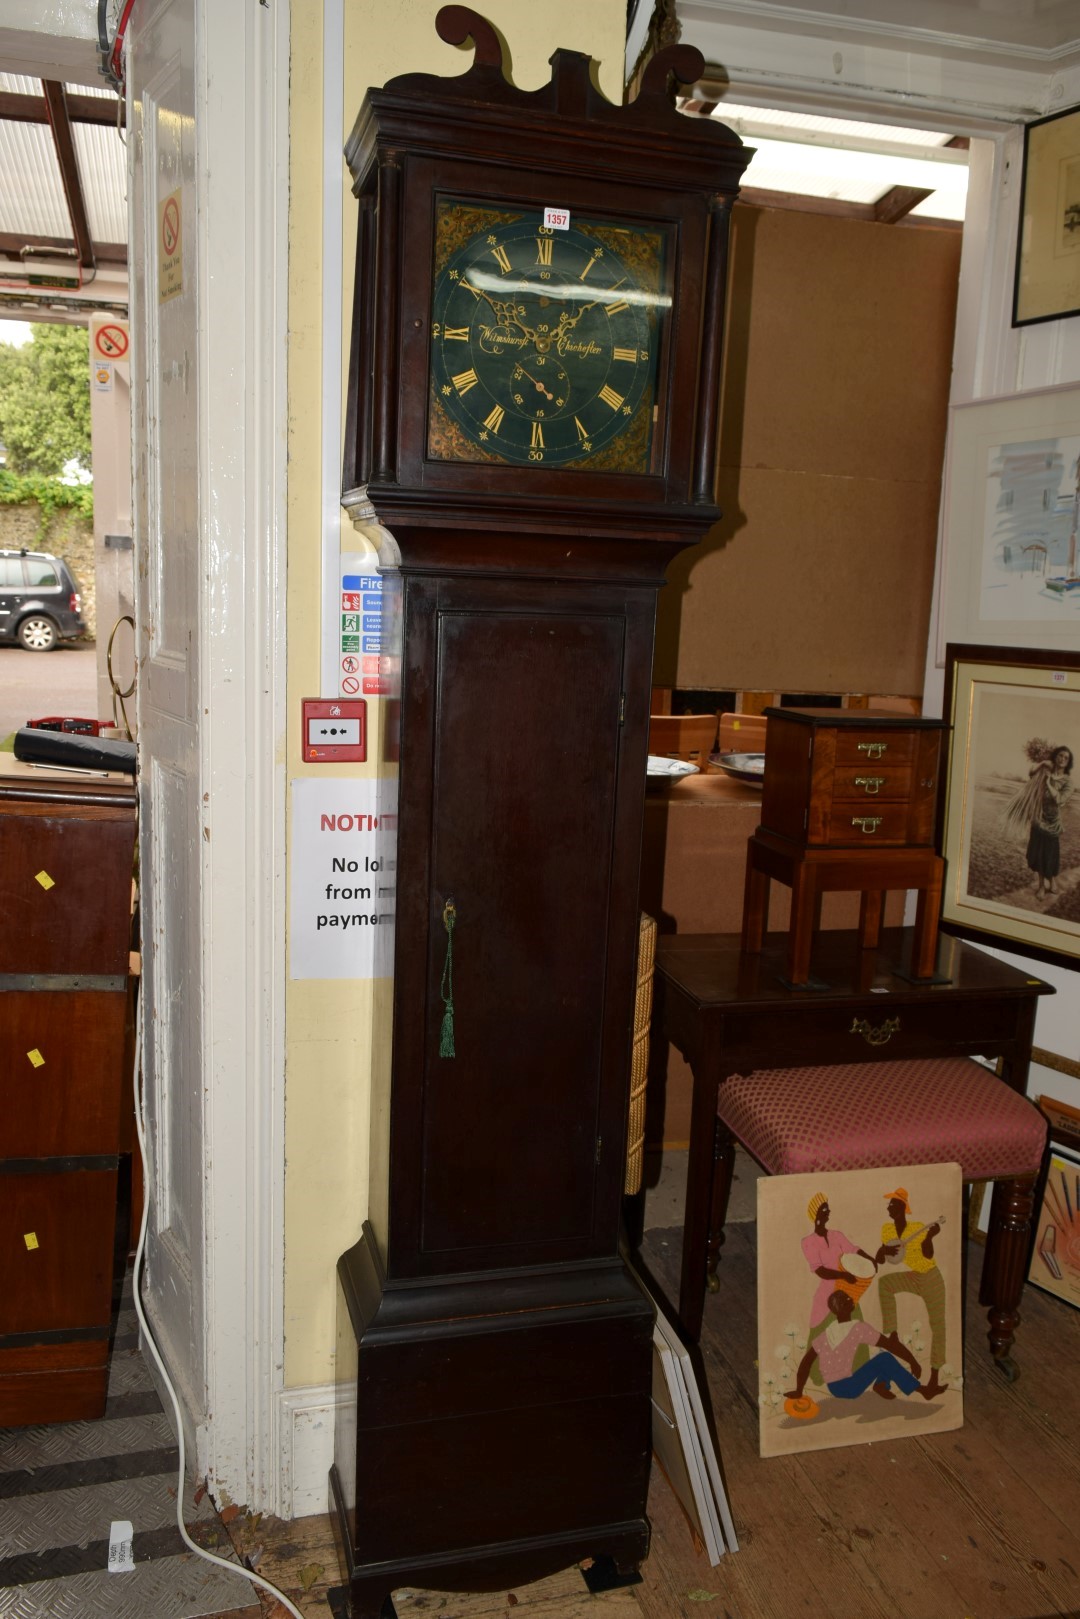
(50, 494)
(45, 400)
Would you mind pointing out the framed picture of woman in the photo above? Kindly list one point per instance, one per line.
(1010, 812)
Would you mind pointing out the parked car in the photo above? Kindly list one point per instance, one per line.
(39, 601)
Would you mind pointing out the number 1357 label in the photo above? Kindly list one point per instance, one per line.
(556, 219)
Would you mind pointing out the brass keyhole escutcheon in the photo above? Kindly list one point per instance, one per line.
(869, 823)
(873, 750)
(875, 1037)
(872, 784)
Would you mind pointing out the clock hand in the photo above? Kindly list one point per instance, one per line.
(539, 386)
(567, 322)
(504, 311)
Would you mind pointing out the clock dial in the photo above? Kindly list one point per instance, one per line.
(543, 342)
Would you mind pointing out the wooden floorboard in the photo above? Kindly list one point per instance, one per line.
(978, 1523)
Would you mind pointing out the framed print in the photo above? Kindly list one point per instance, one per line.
(1010, 821)
(1048, 254)
(1055, 1261)
(1011, 571)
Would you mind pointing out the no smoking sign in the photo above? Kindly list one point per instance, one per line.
(111, 341)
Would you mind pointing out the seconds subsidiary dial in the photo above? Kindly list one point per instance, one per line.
(544, 342)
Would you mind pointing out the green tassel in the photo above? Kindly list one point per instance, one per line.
(446, 989)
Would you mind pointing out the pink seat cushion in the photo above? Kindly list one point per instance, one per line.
(866, 1115)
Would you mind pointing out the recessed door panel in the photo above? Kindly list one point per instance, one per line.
(525, 755)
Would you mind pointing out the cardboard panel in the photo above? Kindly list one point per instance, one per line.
(818, 578)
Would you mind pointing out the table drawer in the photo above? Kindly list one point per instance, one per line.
(808, 1035)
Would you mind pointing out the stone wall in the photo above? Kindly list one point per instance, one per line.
(67, 534)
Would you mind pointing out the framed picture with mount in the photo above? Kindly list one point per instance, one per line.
(1011, 572)
(1009, 824)
(1047, 283)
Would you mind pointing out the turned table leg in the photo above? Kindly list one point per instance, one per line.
(1008, 1251)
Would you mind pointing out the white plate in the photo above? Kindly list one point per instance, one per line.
(659, 766)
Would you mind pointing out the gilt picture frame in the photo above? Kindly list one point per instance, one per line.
(1047, 283)
(1009, 823)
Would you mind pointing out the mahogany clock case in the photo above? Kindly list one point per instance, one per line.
(496, 1341)
(425, 143)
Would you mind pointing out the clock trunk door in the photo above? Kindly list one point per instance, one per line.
(509, 1151)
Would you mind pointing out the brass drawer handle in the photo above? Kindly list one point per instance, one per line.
(875, 1037)
(873, 784)
(873, 750)
(869, 823)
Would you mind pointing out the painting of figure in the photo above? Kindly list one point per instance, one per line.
(1021, 849)
(858, 1331)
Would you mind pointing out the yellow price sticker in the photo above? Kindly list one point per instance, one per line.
(45, 880)
(36, 1058)
(31, 1241)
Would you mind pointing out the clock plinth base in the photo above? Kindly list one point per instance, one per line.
(501, 1426)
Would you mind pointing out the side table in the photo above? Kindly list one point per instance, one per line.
(729, 1013)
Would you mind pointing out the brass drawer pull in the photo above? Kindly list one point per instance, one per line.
(873, 750)
(873, 784)
(869, 823)
(875, 1037)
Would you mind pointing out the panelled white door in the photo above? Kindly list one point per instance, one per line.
(207, 121)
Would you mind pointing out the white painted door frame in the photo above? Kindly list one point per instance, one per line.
(231, 350)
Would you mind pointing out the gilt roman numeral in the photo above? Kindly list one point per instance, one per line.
(617, 354)
(464, 381)
(544, 245)
(460, 334)
(502, 258)
(537, 440)
(495, 419)
(610, 397)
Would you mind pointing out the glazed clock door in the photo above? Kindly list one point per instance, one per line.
(509, 1152)
(544, 341)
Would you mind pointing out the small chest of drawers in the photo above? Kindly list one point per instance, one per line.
(848, 801)
(835, 777)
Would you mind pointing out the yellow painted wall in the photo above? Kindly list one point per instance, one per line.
(334, 1029)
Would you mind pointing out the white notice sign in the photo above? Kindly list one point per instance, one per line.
(341, 913)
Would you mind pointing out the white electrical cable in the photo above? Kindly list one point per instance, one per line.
(210, 1557)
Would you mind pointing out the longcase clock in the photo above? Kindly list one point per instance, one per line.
(536, 354)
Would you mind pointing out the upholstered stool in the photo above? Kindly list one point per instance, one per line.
(870, 1115)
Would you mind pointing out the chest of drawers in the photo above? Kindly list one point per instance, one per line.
(837, 777)
(66, 855)
(848, 802)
